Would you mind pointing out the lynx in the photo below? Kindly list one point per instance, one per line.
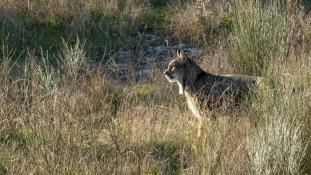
(204, 91)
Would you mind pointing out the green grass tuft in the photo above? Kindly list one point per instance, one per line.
(259, 35)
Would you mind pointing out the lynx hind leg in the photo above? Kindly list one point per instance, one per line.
(200, 123)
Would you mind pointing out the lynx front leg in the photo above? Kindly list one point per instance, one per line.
(200, 124)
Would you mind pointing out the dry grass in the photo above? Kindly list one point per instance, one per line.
(200, 22)
(91, 125)
(103, 25)
(60, 116)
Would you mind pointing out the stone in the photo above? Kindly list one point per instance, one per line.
(155, 52)
(122, 56)
(161, 51)
(149, 51)
(143, 72)
(178, 46)
(194, 52)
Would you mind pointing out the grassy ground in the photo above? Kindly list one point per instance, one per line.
(60, 116)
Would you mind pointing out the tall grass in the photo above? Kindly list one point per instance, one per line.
(103, 25)
(59, 116)
(280, 143)
(260, 32)
(203, 23)
(72, 59)
(102, 127)
(52, 123)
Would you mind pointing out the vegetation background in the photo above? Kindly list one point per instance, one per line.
(60, 115)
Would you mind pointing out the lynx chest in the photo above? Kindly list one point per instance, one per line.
(193, 105)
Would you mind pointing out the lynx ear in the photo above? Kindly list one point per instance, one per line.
(185, 55)
(179, 53)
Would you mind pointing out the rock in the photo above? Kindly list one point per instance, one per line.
(150, 59)
(161, 51)
(150, 36)
(150, 40)
(122, 56)
(143, 72)
(149, 52)
(195, 52)
(162, 63)
(155, 52)
(178, 46)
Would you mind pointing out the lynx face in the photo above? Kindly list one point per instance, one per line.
(174, 71)
(177, 70)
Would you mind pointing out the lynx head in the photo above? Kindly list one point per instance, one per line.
(181, 70)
